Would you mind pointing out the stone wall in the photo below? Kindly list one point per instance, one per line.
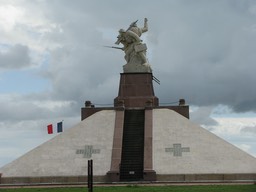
(186, 178)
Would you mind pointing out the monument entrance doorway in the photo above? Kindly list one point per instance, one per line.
(131, 168)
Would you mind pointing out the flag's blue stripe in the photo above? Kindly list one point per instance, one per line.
(59, 127)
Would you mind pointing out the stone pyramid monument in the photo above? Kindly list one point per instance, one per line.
(136, 140)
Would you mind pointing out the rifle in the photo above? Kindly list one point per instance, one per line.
(119, 37)
(132, 25)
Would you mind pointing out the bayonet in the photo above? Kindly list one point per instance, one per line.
(114, 47)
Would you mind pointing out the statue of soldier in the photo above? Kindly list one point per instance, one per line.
(135, 50)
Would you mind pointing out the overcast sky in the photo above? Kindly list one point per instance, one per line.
(52, 59)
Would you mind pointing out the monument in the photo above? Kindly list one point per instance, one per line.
(135, 140)
(135, 50)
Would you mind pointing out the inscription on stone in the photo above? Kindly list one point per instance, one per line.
(87, 151)
(177, 150)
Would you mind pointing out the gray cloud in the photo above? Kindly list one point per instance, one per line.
(250, 130)
(248, 104)
(30, 107)
(205, 54)
(15, 58)
(202, 116)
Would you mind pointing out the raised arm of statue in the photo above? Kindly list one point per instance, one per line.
(145, 28)
(139, 30)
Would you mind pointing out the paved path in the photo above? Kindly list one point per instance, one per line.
(121, 184)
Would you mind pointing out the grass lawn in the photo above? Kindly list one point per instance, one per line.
(209, 188)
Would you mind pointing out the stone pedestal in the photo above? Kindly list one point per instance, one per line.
(113, 176)
(139, 68)
(136, 91)
(149, 175)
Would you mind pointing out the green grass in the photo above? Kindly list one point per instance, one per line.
(208, 188)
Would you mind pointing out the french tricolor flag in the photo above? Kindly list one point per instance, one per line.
(59, 128)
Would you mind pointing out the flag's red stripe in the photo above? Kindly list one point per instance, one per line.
(49, 129)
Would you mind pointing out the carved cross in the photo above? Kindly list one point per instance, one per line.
(87, 151)
(177, 149)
